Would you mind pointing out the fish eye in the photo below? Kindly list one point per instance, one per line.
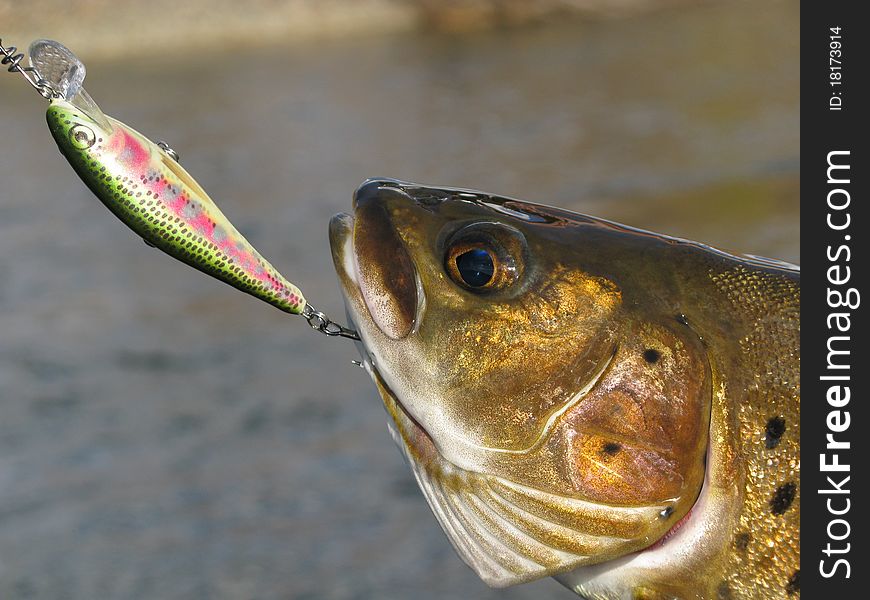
(476, 267)
(82, 137)
(484, 257)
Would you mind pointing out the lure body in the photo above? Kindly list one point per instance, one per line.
(155, 197)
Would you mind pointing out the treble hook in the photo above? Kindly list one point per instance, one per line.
(325, 325)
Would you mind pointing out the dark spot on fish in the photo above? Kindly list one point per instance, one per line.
(723, 592)
(741, 541)
(773, 431)
(611, 448)
(681, 319)
(794, 584)
(651, 355)
(782, 498)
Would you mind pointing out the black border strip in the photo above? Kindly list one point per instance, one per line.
(834, 261)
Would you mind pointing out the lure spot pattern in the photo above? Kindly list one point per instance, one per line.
(154, 196)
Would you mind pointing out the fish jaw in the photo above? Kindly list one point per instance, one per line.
(507, 527)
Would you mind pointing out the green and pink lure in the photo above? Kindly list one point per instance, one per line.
(155, 197)
(145, 187)
(143, 184)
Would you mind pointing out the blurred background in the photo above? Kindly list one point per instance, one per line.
(163, 435)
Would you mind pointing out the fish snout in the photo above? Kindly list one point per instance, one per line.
(386, 274)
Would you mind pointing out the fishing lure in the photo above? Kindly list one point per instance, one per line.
(145, 186)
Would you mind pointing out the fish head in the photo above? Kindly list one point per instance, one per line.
(552, 406)
(78, 126)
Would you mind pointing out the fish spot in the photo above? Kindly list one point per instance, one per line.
(773, 432)
(651, 355)
(782, 498)
(794, 584)
(666, 512)
(741, 541)
(611, 448)
(681, 319)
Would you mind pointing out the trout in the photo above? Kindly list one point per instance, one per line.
(576, 398)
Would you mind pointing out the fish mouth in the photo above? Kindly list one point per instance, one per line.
(404, 428)
(387, 277)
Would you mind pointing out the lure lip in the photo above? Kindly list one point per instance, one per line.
(65, 73)
(58, 65)
(83, 102)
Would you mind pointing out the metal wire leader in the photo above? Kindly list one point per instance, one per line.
(13, 58)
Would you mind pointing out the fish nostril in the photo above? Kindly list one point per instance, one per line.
(386, 273)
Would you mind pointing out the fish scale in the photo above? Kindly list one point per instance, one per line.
(766, 560)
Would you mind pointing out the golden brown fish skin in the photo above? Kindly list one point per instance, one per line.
(749, 547)
(561, 420)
